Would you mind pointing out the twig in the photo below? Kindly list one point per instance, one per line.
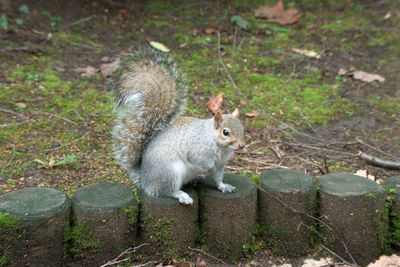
(209, 255)
(292, 73)
(309, 125)
(12, 112)
(67, 144)
(54, 115)
(323, 149)
(376, 149)
(12, 158)
(12, 123)
(223, 65)
(337, 256)
(123, 253)
(379, 162)
(294, 210)
(290, 127)
(77, 22)
(86, 46)
(234, 45)
(80, 117)
(331, 228)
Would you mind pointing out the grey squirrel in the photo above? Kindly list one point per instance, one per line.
(160, 149)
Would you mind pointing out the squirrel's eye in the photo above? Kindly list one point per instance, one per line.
(225, 132)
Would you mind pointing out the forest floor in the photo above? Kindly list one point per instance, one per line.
(300, 112)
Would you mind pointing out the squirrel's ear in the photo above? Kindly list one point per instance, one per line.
(217, 119)
(235, 113)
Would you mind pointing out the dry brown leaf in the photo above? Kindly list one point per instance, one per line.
(87, 71)
(367, 77)
(386, 261)
(201, 263)
(252, 114)
(21, 105)
(308, 53)
(107, 69)
(209, 31)
(278, 14)
(363, 173)
(215, 103)
(342, 72)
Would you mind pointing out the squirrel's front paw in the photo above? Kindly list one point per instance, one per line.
(226, 188)
(183, 197)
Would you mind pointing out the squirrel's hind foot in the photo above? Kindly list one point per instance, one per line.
(182, 197)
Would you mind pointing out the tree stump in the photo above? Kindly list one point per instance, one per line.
(352, 206)
(32, 223)
(227, 220)
(284, 224)
(168, 226)
(393, 210)
(105, 222)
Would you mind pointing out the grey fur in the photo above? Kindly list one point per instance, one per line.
(160, 149)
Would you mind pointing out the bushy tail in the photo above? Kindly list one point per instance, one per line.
(150, 94)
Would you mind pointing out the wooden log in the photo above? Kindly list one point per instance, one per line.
(168, 226)
(285, 199)
(227, 220)
(105, 222)
(32, 222)
(352, 206)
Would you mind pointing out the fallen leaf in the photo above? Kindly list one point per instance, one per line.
(87, 71)
(342, 72)
(21, 105)
(159, 46)
(201, 263)
(278, 14)
(367, 77)
(388, 15)
(317, 263)
(308, 53)
(107, 69)
(386, 261)
(209, 31)
(252, 114)
(363, 173)
(215, 103)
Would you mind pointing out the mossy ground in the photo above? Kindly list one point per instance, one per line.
(52, 114)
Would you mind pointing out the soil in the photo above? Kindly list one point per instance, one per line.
(312, 149)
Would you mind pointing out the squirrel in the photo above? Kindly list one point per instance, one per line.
(160, 149)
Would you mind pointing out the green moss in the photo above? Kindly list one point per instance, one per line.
(132, 213)
(391, 219)
(8, 226)
(79, 240)
(3, 261)
(159, 233)
(9, 231)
